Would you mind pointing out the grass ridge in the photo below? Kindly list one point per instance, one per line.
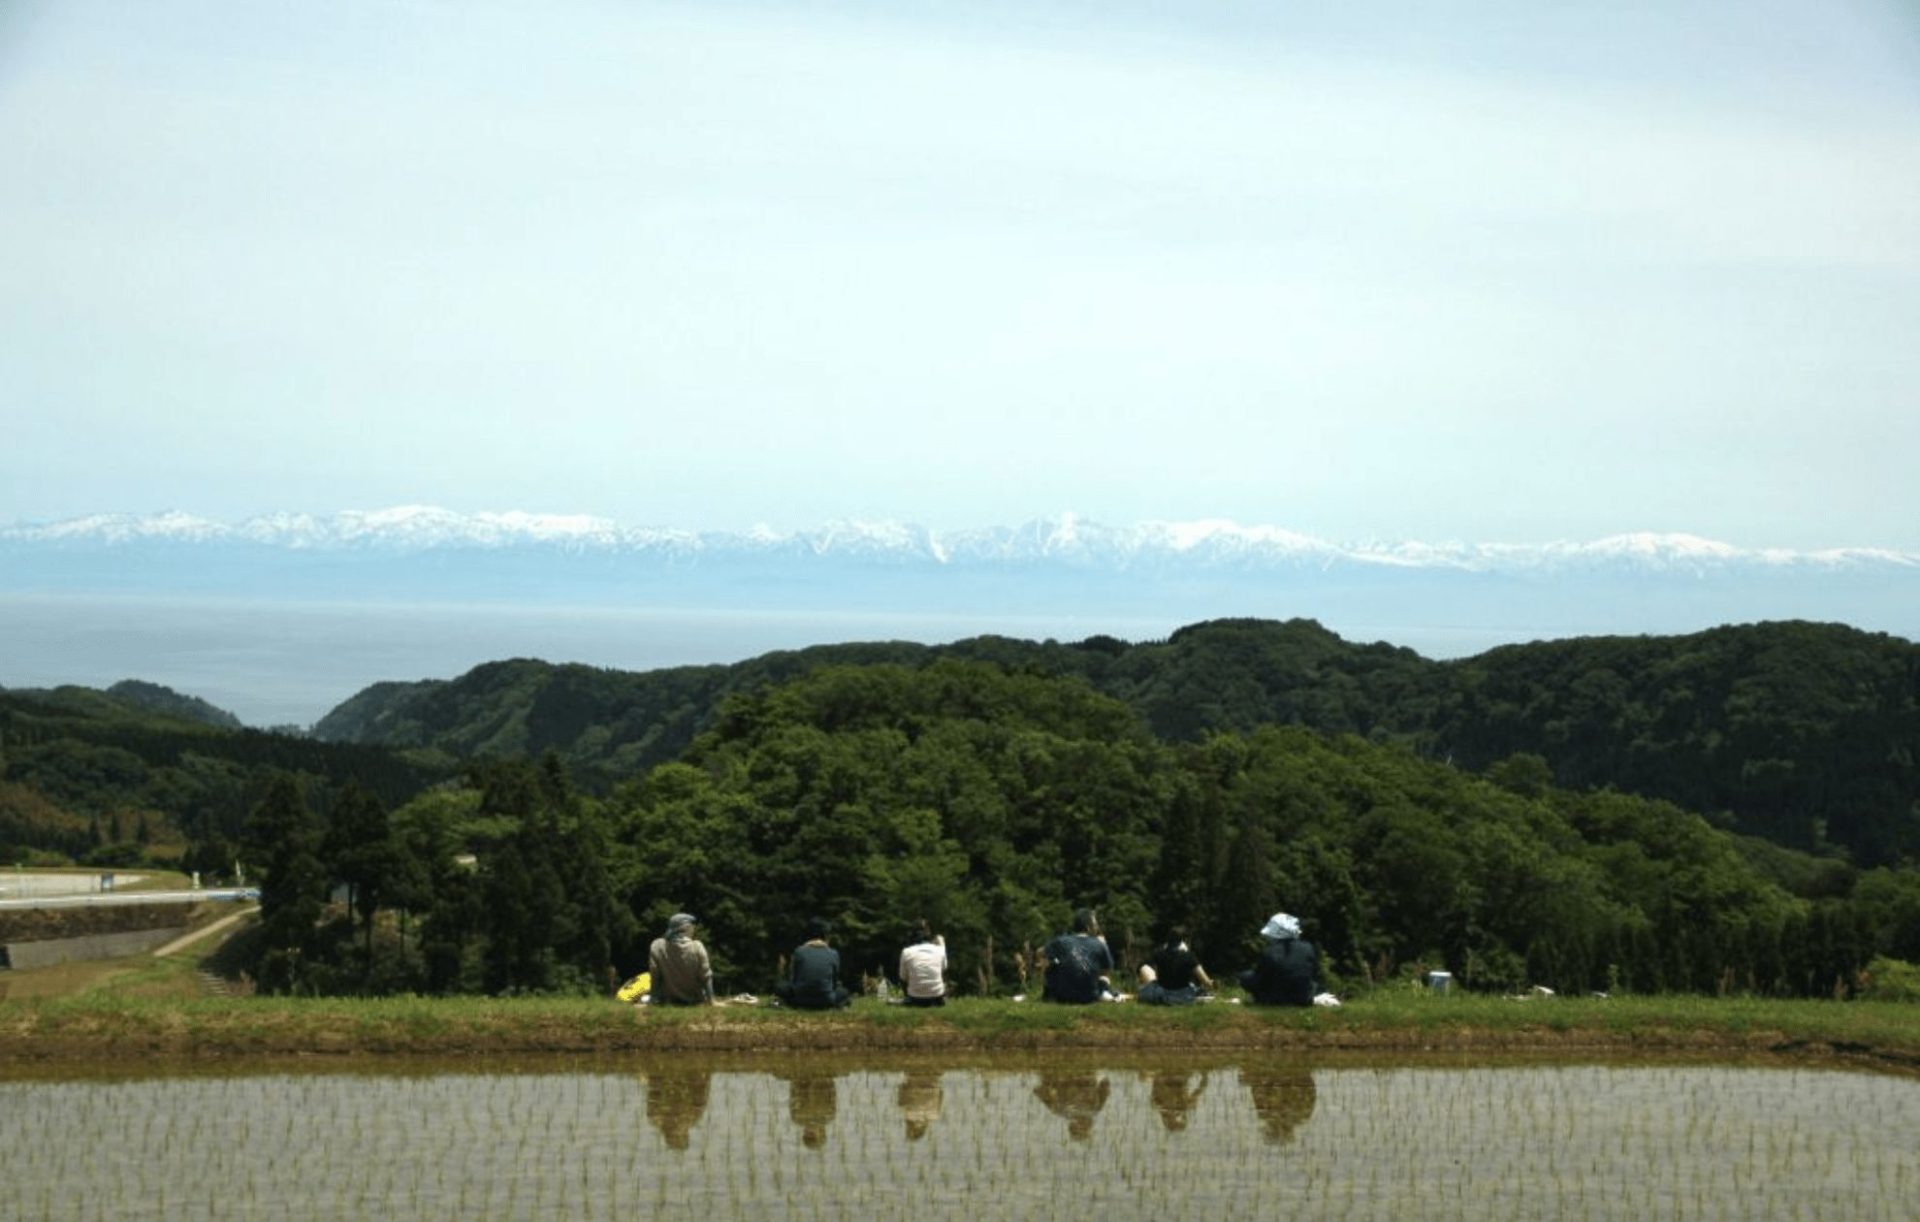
(108, 1026)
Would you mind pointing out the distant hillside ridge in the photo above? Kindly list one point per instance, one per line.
(99, 779)
(129, 698)
(607, 724)
(162, 699)
(1801, 733)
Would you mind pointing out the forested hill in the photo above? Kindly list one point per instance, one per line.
(994, 802)
(609, 724)
(1807, 733)
(993, 798)
(158, 699)
(127, 700)
(1802, 733)
(119, 777)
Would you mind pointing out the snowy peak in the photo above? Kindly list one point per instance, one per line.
(122, 528)
(1066, 540)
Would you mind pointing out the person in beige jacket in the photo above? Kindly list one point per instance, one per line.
(682, 976)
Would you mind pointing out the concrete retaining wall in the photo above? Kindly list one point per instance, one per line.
(43, 924)
(23, 955)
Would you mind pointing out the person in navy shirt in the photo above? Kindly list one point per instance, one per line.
(1078, 962)
(813, 977)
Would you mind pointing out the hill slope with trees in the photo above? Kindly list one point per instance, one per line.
(1415, 813)
(995, 802)
(118, 777)
(1804, 734)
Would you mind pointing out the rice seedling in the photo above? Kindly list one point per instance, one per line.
(1493, 1141)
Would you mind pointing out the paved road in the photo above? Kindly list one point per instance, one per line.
(122, 898)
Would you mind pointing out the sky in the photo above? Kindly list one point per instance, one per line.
(1493, 270)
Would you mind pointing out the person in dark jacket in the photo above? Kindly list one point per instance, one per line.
(1077, 963)
(1285, 972)
(813, 977)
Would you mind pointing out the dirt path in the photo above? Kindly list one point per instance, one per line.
(188, 939)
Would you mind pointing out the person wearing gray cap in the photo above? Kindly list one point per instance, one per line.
(1284, 973)
(682, 976)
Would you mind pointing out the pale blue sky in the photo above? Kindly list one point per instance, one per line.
(1491, 271)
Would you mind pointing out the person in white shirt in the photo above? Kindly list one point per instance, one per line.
(923, 968)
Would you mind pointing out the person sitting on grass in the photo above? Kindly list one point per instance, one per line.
(923, 967)
(813, 975)
(1284, 973)
(682, 975)
(1173, 977)
(1077, 962)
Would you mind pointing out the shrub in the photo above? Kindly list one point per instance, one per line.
(1891, 980)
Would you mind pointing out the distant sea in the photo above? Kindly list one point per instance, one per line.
(289, 663)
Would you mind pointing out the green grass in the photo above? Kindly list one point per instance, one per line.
(140, 1014)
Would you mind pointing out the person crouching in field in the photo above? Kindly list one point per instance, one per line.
(1284, 974)
(682, 976)
(813, 976)
(923, 967)
(1173, 977)
(1077, 963)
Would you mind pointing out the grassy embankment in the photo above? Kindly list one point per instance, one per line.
(144, 1011)
(141, 1007)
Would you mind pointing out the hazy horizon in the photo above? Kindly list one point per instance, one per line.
(289, 664)
(1509, 272)
(1503, 274)
(436, 525)
(289, 661)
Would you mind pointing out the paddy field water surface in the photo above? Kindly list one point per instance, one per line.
(1039, 1135)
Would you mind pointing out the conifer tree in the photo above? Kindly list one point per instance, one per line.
(363, 853)
(285, 834)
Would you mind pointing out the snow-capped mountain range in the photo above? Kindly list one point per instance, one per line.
(260, 615)
(1066, 540)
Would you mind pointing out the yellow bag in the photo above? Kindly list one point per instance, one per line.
(638, 987)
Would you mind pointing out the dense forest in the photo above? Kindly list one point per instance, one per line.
(1730, 811)
(139, 773)
(1804, 734)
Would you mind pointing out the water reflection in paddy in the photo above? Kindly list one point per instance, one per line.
(804, 1138)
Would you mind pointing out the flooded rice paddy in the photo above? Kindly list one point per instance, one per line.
(1045, 1137)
